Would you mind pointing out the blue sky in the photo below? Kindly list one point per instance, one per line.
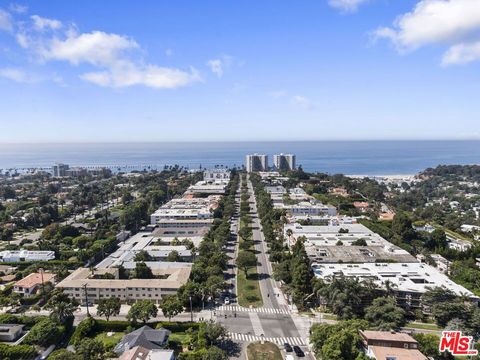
(116, 70)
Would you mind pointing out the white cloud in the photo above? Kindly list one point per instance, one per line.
(462, 53)
(18, 8)
(301, 101)
(216, 66)
(6, 22)
(109, 51)
(129, 74)
(116, 60)
(40, 23)
(96, 48)
(14, 75)
(346, 5)
(450, 22)
(219, 65)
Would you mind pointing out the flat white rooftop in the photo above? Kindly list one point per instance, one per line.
(408, 277)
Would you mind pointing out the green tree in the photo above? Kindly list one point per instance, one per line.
(343, 345)
(171, 306)
(385, 315)
(142, 310)
(246, 260)
(108, 307)
(63, 354)
(437, 240)
(90, 349)
(215, 333)
(142, 271)
(173, 256)
(359, 242)
(338, 341)
(61, 306)
(402, 227)
(214, 353)
(214, 285)
(142, 256)
(44, 333)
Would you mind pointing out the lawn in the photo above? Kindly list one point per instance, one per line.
(266, 351)
(329, 316)
(180, 338)
(109, 341)
(423, 326)
(248, 289)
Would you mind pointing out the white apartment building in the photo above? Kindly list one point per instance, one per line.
(26, 255)
(409, 280)
(284, 162)
(256, 162)
(186, 209)
(216, 175)
(307, 208)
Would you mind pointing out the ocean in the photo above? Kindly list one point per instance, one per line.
(333, 157)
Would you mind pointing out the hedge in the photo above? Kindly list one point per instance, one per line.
(177, 327)
(20, 319)
(89, 326)
(85, 328)
(17, 352)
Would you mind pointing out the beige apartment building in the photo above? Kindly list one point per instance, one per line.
(82, 282)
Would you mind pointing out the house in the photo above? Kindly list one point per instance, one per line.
(361, 205)
(141, 353)
(386, 345)
(29, 284)
(10, 332)
(146, 337)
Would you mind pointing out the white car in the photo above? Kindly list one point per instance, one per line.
(227, 301)
(289, 357)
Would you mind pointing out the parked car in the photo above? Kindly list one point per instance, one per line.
(287, 347)
(299, 352)
(227, 301)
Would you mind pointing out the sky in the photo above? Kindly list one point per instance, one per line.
(117, 70)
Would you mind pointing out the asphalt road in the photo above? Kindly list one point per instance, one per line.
(274, 320)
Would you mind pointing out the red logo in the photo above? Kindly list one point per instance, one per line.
(456, 344)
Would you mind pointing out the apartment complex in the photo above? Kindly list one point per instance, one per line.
(218, 174)
(215, 181)
(408, 280)
(26, 255)
(337, 246)
(256, 162)
(84, 284)
(284, 162)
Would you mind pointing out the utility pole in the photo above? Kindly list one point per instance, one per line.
(43, 285)
(191, 309)
(86, 298)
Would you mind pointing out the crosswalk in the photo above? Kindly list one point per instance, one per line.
(234, 308)
(276, 340)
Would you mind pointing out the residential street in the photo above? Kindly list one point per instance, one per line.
(276, 321)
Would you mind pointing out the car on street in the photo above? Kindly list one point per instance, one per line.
(299, 352)
(227, 301)
(287, 347)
